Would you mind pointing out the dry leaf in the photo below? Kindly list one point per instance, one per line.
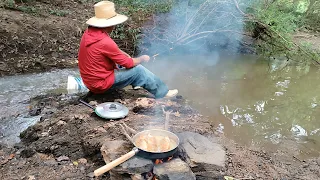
(177, 114)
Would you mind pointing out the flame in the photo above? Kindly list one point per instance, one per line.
(160, 161)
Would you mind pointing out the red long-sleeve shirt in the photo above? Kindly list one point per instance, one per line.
(98, 56)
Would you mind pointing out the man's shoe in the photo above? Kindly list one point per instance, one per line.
(172, 93)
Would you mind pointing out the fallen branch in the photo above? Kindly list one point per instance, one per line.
(124, 132)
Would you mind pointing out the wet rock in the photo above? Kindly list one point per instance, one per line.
(16, 146)
(26, 153)
(134, 165)
(202, 154)
(35, 112)
(31, 134)
(173, 170)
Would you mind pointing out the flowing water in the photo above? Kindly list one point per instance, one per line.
(247, 99)
(15, 92)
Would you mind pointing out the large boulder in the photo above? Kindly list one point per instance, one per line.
(202, 154)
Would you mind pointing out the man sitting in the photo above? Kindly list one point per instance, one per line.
(99, 56)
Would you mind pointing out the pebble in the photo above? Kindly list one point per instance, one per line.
(61, 122)
(90, 175)
(83, 161)
(63, 158)
(305, 165)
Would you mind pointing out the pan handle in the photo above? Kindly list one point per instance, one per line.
(116, 162)
(87, 104)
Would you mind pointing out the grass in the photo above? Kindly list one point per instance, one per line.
(58, 12)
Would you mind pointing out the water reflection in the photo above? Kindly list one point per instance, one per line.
(249, 100)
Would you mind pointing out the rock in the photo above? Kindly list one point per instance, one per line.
(26, 153)
(63, 158)
(45, 134)
(82, 161)
(35, 112)
(31, 178)
(202, 154)
(100, 129)
(61, 123)
(91, 175)
(137, 177)
(50, 162)
(318, 161)
(173, 170)
(134, 165)
(112, 149)
(144, 105)
(93, 103)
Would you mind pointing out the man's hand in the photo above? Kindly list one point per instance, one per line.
(141, 59)
(145, 58)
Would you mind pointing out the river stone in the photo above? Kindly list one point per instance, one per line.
(173, 170)
(134, 165)
(201, 154)
(113, 149)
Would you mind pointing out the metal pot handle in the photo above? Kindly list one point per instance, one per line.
(87, 104)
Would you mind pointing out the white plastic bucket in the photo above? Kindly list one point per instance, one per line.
(76, 85)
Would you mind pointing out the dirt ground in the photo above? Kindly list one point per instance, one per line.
(66, 143)
(41, 35)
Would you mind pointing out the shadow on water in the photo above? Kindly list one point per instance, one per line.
(248, 100)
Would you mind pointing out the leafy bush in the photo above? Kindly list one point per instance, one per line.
(274, 24)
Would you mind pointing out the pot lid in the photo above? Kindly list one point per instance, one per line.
(112, 110)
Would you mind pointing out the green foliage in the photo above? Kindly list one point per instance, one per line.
(274, 24)
(8, 3)
(312, 16)
(58, 12)
(27, 9)
(11, 4)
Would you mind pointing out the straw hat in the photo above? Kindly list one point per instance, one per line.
(105, 15)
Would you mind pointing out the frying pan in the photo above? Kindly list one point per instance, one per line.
(143, 153)
(110, 110)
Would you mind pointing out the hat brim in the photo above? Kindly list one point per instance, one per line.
(101, 23)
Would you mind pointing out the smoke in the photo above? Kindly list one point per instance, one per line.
(195, 27)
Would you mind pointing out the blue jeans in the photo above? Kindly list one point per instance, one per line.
(140, 76)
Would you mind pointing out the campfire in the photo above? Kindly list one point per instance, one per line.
(190, 154)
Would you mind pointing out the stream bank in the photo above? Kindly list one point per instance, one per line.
(66, 142)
